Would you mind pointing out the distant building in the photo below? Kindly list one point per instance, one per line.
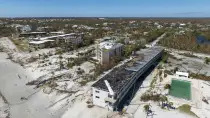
(52, 41)
(44, 29)
(182, 24)
(22, 28)
(40, 44)
(57, 33)
(110, 90)
(32, 34)
(108, 49)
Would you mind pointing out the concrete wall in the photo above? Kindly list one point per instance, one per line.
(74, 39)
(101, 100)
(104, 55)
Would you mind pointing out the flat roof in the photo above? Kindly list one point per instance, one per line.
(120, 76)
(40, 42)
(182, 73)
(56, 36)
(33, 33)
(109, 45)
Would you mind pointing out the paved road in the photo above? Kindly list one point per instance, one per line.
(154, 43)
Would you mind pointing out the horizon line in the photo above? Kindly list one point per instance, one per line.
(106, 17)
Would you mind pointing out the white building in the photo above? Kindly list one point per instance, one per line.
(182, 74)
(99, 98)
(108, 49)
(51, 41)
(182, 24)
(109, 91)
(41, 44)
(22, 28)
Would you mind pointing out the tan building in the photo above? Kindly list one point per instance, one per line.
(106, 50)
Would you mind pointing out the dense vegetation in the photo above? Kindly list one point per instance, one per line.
(153, 97)
(6, 31)
(185, 41)
(200, 76)
(185, 108)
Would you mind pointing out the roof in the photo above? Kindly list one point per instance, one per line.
(182, 73)
(109, 45)
(120, 76)
(50, 37)
(34, 33)
(40, 42)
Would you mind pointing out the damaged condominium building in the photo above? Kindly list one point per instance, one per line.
(110, 90)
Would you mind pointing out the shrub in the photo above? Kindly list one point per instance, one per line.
(90, 106)
(153, 97)
(168, 72)
(146, 108)
(160, 67)
(83, 82)
(160, 72)
(207, 60)
(186, 109)
(165, 75)
(200, 76)
(164, 58)
(167, 86)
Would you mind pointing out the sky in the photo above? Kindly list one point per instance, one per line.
(104, 8)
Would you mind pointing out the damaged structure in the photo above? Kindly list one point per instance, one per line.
(107, 50)
(110, 90)
(52, 41)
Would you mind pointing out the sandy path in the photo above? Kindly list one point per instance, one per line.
(12, 86)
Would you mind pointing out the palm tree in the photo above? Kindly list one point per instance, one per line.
(163, 99)
(147, 109)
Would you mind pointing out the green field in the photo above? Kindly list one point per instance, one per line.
(180, 89)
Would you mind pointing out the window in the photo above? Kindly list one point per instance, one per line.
(97, 91)
(97, 97)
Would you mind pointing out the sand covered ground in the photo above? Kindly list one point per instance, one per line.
(23, 101)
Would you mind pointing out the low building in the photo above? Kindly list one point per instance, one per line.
(108, 49)
(111, 89)
(33, 34)
(182, 74)
(41, 44)
(23, 28)
(52, 41)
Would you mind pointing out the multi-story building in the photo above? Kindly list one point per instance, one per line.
(108, 49)
(22, 28)
(52, 41)
(111, 89)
